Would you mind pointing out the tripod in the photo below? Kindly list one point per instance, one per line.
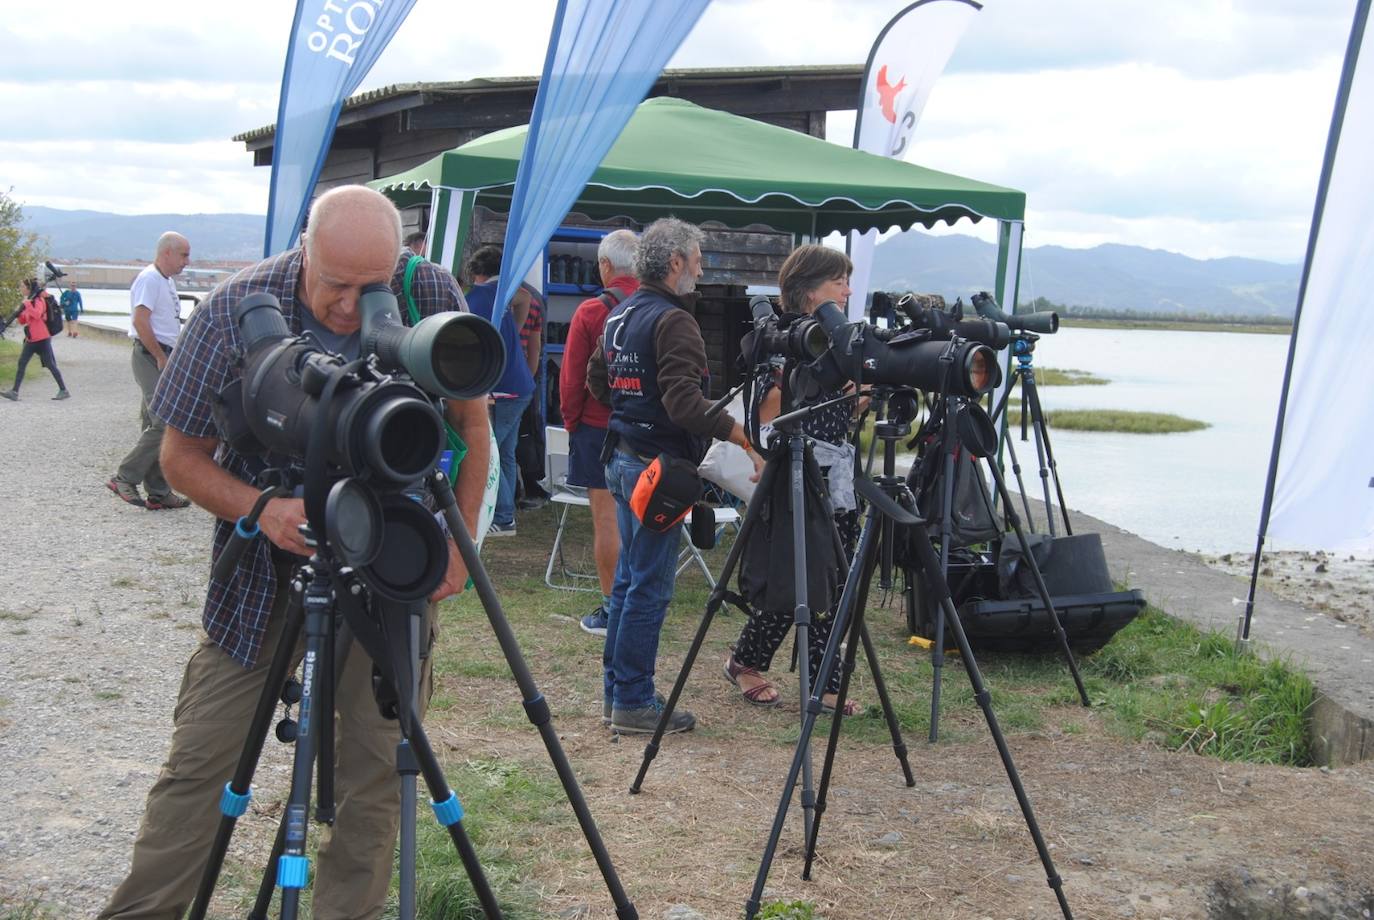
(320, 589)
(964, 426)
(1032, 416)
(800, 466)
(890, 503)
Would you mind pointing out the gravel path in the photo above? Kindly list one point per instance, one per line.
(99, 609)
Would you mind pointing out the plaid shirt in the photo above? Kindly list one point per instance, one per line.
(236, 610)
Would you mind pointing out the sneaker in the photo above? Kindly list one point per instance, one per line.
(125, 490)
(606, 707)
(62, 394)
(642, 720)
(169, 502)
(501, 530)
(11, 395)
(533, 503)
(595, 623)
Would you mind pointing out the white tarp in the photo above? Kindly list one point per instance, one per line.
(907, 59)
(1324, 490)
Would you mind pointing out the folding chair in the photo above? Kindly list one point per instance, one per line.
(726, 516)
(567, 497)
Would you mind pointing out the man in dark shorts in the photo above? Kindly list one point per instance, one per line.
(586, 418)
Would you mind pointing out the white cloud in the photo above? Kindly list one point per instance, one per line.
(1193, 124)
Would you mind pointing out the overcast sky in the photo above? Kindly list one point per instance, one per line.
(1196, 126)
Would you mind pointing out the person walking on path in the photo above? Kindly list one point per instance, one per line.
(37, 341)
(156, 324)
(586, 419)
(72, 308)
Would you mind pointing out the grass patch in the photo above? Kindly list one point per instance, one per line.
(28, 910)
(1121, 420)
(787, 910)
(1170, 682)
(9, 359)
(511, 814)
(1053, 377)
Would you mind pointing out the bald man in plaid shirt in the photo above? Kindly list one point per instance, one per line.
(352, 241)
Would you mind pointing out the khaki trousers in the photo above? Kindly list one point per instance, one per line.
(140, 465)
(211, 722)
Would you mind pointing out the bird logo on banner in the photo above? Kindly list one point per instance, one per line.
(887, 94)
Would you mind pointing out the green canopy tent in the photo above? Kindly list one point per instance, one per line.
(701, 164)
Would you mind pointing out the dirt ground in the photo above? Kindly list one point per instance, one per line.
(93, 655)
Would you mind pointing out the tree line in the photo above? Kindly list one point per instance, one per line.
(1080, 311)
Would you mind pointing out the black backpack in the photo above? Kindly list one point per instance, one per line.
(54, 318)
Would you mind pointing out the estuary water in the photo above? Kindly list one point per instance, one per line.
(1198, 490)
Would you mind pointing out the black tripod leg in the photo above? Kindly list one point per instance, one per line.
(931, 565)
(293, 866)
(937, 650)
(1041, 588)
(450, 814)
(894, 727)
(812, 833)
(1043, 431)
(865, 561)
(1020, 480)
(1032, 402)
(238, 791)
(713, 604)
(536, 707)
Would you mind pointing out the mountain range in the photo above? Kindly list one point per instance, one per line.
(1109, 277)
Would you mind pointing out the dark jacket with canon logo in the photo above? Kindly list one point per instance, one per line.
(650, 368)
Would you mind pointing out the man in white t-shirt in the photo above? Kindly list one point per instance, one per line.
(155, 323)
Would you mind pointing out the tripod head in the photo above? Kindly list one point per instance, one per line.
(1023, 346)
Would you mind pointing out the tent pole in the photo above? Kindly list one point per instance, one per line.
(1352, 55)
(1009, 235)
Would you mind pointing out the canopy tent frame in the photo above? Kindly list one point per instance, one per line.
(705, 165)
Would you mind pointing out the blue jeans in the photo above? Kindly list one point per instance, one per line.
(505, 425)
(644, 580)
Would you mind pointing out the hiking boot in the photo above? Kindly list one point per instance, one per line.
(11, 395)
(642, 720)
(62, 394)
(169, 502)
(501, 530)
(125, 490)
(594, 622)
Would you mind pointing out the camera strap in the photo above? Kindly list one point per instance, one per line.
(456, 445)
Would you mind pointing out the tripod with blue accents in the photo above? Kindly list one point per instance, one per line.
(321, 594)
(330, 602)
(1032, 420)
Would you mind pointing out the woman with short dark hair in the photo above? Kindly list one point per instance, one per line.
(37, 340)
(811, 276)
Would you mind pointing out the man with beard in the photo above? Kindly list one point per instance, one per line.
(651, 369)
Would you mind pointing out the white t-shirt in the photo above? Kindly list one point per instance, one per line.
(158, 293)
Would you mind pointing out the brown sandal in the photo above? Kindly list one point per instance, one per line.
(754, 696)
(851, 706)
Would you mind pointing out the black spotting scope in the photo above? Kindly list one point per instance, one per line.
(1045, 321)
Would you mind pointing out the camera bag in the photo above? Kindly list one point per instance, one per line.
(766, 574)
(665, 492)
